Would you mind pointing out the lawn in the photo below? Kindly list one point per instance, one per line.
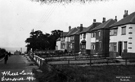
(121, 73)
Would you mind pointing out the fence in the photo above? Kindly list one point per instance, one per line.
(37, 59)
(83, 61)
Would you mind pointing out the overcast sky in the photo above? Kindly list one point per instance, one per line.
(19, 17)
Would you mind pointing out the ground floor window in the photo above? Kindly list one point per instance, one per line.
(113, 47)
(125, 46)
(83, 46)
(93, 46)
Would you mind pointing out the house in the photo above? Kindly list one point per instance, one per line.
(85, 38)
(76, 38)
(62, 40)
(100, 38)
(122, 36)
(58, 44)
(69, 39)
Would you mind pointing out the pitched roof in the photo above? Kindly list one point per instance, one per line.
(130, 19)
(104, 25)
(65, 33)
(71, 31)
(88, 29)
(78, 30)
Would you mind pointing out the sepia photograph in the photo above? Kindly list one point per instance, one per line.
(67, 40)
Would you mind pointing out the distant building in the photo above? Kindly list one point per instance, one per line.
(63, 41)
(17, 53)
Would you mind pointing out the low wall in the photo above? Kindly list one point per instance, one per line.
(37, 59)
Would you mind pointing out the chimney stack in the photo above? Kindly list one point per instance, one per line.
(125, 13)
(94, 20)
(81, 27)
(115, 18)
(104, 19)
(69, 28)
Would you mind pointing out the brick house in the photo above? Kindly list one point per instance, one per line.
(100, 38)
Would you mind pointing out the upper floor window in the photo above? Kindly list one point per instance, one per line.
(84, 35)
(93, 35)
(99, 33)
(80, 36)
(123, 30)
(113, 32)
(72, 37)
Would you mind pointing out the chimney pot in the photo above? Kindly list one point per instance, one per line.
(125, 13)
(81, 27)
(104, 19)
(69, 28)
(94, 20)
(116, 18)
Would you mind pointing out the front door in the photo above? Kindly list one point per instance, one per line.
(120, 48)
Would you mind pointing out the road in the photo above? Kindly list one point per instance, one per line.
(17, 69)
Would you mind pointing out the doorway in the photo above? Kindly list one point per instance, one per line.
(120, 48)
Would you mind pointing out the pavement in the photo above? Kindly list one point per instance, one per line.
(18, 69)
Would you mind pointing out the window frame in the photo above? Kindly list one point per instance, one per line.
(123, 30)
(114, 31)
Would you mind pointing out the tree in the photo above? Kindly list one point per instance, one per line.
(40, 41)
(55, 34)
(65, 1)
(36, 41)
(2, 52)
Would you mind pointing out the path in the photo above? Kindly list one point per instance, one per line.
(18, 70)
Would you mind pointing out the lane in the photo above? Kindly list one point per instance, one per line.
(17, 69)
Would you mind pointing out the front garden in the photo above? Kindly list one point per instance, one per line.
(49, 73)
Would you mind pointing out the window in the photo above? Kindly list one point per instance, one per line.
(130, 27)
(123, 32)
(80, 36)
(113, 47)
(72, 37)
(93, 46)
(125, 45)
(130, 32)
(129, 47)
(84, 35)
(113, 32)
(130, 43)
(83, 46)
(93, 35)
(130, 38)
(99, 33)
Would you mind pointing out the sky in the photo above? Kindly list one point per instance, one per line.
(19, 17)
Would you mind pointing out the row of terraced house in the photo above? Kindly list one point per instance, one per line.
(109, 38)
